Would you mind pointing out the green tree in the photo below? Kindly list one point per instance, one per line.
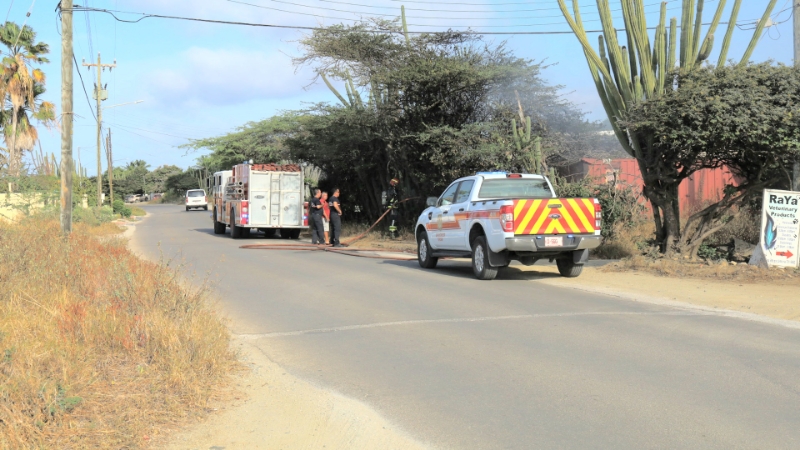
(743, 117)
(260, 141)
(21, 88)
(640, 69)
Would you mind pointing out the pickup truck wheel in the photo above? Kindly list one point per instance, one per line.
(480, 260)
(424, 252)
(219, 227)
(236, 232)
(568, 268)
(187, 208)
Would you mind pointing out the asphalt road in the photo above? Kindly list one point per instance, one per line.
(512, 363)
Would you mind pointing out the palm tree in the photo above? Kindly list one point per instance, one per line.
(20, 90)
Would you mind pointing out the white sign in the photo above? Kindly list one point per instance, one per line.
(780, 227)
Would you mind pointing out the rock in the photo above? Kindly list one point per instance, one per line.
(742, 250)
(757, 259)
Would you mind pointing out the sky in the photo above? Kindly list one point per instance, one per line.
(197, 80)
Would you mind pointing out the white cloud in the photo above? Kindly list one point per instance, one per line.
(203, 76)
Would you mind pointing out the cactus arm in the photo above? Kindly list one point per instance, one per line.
(515, 133)
(673, 44)
(726, 42)
(661, 50)
(717, 17)
(698, 23)
(757, 33)
(686, 31)
(333, 89)
(611, 112)
(405, 24)
(528, 129)
(354, 94)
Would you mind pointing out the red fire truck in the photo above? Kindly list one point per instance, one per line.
(264, 197)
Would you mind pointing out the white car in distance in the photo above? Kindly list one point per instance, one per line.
(196, 198)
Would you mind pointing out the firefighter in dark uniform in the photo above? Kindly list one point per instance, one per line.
(315, 217)
(393, 202)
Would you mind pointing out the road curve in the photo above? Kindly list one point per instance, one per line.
(507, 364)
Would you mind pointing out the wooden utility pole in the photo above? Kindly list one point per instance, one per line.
(110, 157)
(796, 19)
(100, 94)
(66, 116)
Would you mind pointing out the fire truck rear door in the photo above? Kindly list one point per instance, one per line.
(259, 198)
(291, 199)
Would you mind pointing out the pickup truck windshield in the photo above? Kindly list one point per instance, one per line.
(515, 188)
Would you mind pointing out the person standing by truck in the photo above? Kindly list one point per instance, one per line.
(394, 216)
(317, 236)
(336, 218)
(326, 216)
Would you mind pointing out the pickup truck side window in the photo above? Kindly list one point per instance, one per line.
(515, 188)
(448, 196)
(464, 190)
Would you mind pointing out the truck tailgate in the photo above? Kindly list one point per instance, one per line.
(556, 216)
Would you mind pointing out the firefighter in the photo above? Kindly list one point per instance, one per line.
(393, 202)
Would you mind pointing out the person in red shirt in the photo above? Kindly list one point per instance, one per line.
(326, 216)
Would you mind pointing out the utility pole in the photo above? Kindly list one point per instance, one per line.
(66, 117)
(796, 19)
(110, 157)
(100, 94)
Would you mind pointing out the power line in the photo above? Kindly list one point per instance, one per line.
(84, 87)
(149, 131)
(473, 11)
(416, 17)
(300, 27)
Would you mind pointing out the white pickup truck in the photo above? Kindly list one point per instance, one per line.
(497, 217)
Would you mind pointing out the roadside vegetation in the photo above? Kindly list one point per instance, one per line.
(98, 348)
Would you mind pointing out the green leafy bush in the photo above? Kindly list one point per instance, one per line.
(121, 209)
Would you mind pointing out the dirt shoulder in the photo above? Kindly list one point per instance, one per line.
(778, 300)
(275, 410)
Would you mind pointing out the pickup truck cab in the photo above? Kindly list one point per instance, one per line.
(496, 217)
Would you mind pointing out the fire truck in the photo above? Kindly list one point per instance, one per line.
(263, 197)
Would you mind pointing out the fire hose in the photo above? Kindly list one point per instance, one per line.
(361, 252)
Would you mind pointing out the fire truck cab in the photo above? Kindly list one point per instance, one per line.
(264, 197)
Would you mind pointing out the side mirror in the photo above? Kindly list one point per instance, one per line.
(431, 201)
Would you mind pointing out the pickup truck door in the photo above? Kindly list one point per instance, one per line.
(440, 221)
(456, 236)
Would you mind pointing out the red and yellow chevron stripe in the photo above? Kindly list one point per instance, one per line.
(554, 216)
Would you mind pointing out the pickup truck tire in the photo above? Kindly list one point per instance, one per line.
(187, 208)
(568, 268)
(219, 227)
(480, 260)
(424, 252)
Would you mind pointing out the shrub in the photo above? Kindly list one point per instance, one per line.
(121, 209)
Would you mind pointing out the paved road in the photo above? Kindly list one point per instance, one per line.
(507, 364)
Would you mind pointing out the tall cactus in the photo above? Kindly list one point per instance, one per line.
(643, 73)
(528, 145)
(641, 70)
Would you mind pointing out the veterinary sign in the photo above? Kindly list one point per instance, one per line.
(780, 227)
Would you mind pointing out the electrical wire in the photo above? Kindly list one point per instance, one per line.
(148, 131)
(300, 27)
(411, 24)
(559, 15)
(475, 11)
(85, 92)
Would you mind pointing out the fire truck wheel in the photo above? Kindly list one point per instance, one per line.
(294, 234)
(480, 260)
(424, 251)
(269, 232)
(568, 268)
(219, 227)
(236, 232)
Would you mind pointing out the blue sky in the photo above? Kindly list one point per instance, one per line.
(199, 80)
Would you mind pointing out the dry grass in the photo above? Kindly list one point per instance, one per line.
(98, 348)
(628, 240)
(104, 229)
(702, 270)
(136, 211)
